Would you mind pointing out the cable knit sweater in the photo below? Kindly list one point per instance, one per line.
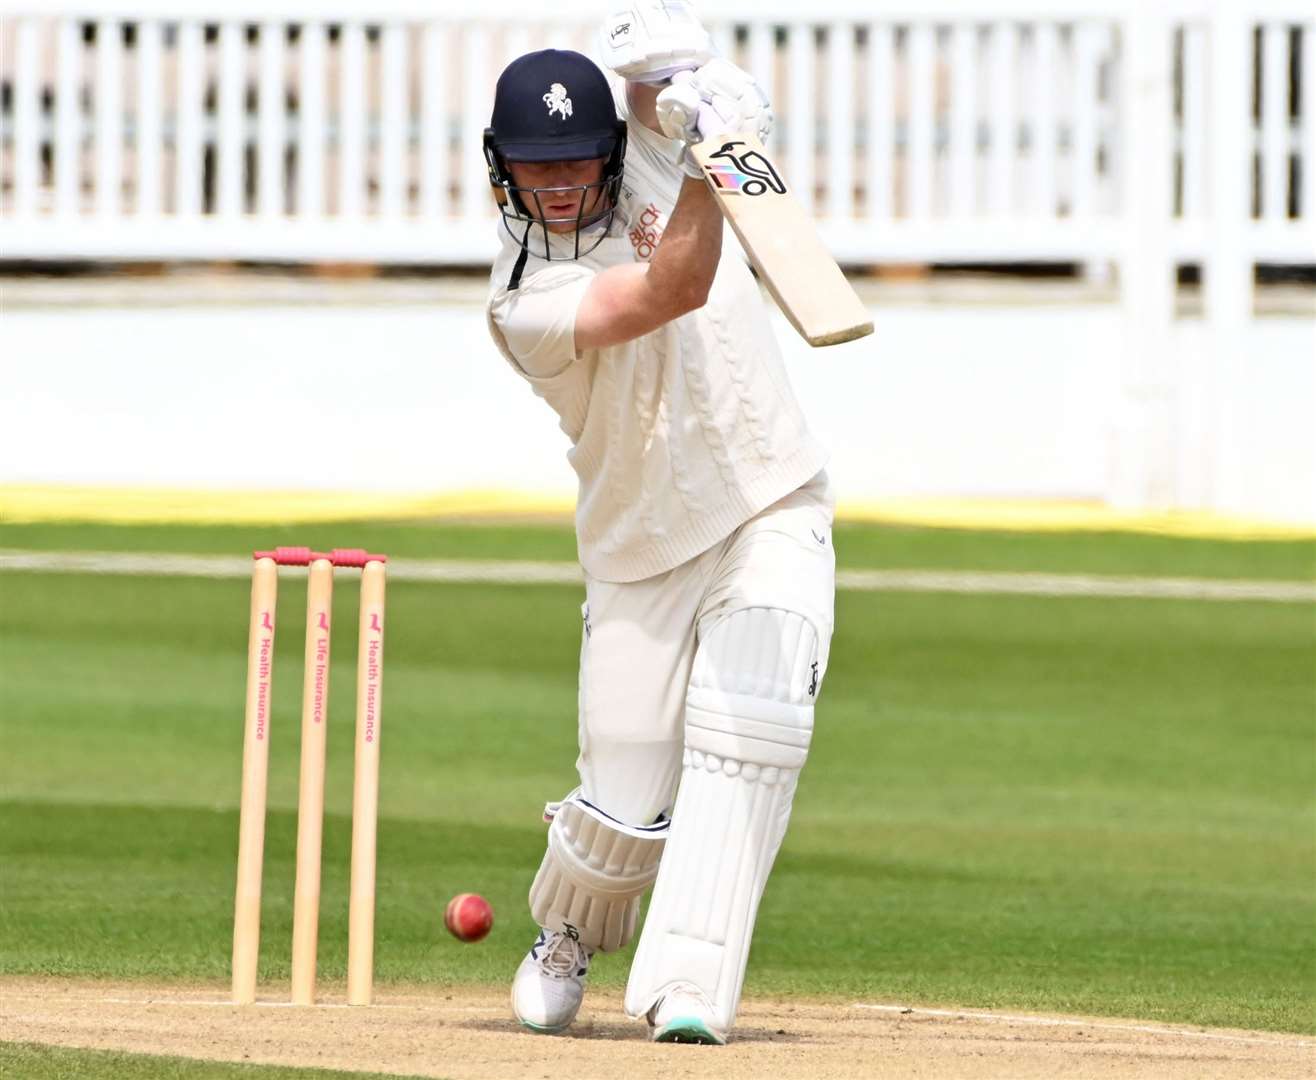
(678, 437)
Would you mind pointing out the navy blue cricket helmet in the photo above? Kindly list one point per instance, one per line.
(553, 105)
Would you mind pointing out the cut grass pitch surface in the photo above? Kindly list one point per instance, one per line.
(31, 1061)
(1076, 805)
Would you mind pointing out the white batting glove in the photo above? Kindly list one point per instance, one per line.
(717, 99)
(678, 115)
(650, 40)
(678, 108)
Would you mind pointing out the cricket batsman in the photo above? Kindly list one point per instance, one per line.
(703, 518)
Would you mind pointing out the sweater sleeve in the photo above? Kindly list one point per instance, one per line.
(538, 320)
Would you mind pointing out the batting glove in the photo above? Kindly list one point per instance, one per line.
(651, 40)
(717, 99)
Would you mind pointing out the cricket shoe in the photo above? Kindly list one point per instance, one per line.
(550, 982)
(684, 1015)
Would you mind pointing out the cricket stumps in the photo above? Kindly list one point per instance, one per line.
(310, 800)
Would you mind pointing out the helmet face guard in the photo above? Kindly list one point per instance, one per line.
(515, 202)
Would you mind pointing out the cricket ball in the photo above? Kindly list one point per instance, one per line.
(468, 916)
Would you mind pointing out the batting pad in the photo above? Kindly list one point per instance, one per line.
(594, 872)
(749, 718)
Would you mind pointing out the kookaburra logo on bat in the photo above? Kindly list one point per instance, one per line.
(744, 173)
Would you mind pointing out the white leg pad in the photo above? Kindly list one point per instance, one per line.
(749, 719)
(593, 874)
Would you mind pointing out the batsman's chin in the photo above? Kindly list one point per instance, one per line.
(566, 225)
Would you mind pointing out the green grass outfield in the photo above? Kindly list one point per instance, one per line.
(31, 1061)
(858, 546)
(1084, 805)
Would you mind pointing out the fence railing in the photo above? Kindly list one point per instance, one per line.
(943, 131)
(1141, 134)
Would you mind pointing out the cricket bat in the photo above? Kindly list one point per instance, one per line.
(781, 240)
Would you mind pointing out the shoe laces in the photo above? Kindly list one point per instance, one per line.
(559, 955)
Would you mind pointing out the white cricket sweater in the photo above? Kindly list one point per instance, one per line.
(678, 437)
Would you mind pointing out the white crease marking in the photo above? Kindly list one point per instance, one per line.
(524, 572)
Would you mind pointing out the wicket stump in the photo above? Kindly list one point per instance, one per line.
(310, 799)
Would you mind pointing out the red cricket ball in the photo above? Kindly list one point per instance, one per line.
(468, 916)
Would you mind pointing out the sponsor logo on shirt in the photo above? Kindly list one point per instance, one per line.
(647, 232)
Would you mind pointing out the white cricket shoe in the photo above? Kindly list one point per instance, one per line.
(683, 1015)
(550, 982)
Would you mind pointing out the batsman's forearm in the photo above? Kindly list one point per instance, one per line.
(687, 257)
(642, 98)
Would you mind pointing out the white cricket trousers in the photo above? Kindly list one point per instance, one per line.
(639, 641)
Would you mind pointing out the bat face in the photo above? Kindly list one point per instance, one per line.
(781, 240)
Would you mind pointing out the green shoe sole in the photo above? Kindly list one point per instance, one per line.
(688, 1029)
(540, 1029)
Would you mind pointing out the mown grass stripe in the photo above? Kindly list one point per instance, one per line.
(527, 572)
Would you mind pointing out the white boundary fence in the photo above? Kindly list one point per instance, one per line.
(1130, 133)
(937, 131)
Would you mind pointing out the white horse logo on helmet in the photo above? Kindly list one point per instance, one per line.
(557, 101)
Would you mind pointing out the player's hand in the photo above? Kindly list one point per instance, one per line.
(650, 40)
(718, 96)
(678, 107)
